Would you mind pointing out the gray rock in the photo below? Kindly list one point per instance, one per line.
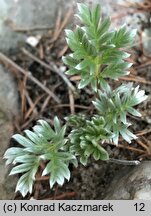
(7, 183)
(131, 183)
(146, 39)
(8, 94)
(8, 109)
(26, 15)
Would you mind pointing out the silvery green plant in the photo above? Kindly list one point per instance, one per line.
(97, 55)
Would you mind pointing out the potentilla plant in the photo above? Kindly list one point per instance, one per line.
(97, 55)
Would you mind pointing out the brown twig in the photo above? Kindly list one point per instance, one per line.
(31, 103)
(38, 185)
(142, 66)
(128, 147)
(136, 79)
(32, 108)
(22, 86)
(68, 105)
(41, 51)
(56, 190)
(26, 124)
(8, 61)
(143, 132)
(132, 149)
(57, 27)
(13, 26)
(119, 16)
(63, 51)
(148, 143)
(42, 178)
(63, 24)
(128, 78)
(37, 188)
(62, 196)
(75, 78)
(45, 104)
(17, 126)
(36, 28)
(139, 5)
(139, 142)
(51, 67)
(71, 100)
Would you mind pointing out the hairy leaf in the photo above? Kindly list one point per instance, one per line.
(114, 105)
(95, 49)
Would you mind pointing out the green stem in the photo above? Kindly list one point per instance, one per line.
(96, 77)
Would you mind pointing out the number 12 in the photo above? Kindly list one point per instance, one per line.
(139, 206)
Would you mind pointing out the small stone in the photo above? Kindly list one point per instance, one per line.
(33, 41)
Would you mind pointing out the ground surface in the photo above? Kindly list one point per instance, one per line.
(45, 62)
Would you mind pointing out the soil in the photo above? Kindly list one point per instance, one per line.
(92, 181)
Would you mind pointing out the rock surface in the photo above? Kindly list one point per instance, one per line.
(8, 109)
(146, 39)
(18, 14)
(29, 14)
(131, 183)
(8, 94)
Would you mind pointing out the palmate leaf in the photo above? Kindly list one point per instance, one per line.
(58, 170)
(29, 166)
(44, 129)
(58, 166)
(41, 144)
(24, 184)
(137, 96)
(21, 168)
(12, 153)
(25, 142)
(127, 134)
(42, 136)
